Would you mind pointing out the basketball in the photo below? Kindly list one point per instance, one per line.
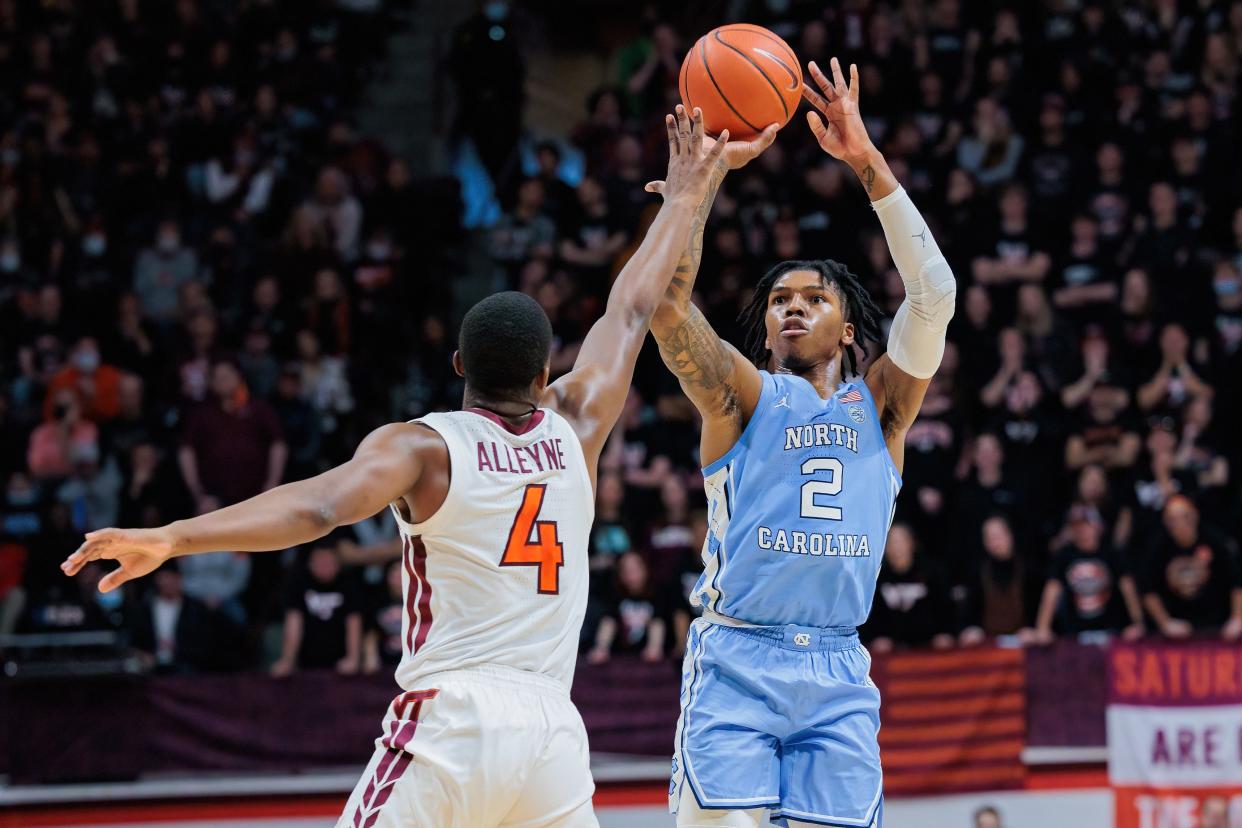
(743, 77)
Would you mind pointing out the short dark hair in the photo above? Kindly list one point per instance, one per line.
(860, 309)
(504, 343)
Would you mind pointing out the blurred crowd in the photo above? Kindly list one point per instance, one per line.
(210, 284)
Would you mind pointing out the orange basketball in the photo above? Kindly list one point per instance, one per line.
(743, 77)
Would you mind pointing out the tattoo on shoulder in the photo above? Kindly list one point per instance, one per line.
(697, 357)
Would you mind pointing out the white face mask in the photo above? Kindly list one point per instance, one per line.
(94, 244)
(86, 361)
(10, 262)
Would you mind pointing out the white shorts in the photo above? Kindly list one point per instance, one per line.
(479, 748)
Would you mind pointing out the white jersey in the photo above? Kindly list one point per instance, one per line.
(498, 575)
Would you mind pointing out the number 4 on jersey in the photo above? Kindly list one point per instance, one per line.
(544, 551)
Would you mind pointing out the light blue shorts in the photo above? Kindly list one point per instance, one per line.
(785, 718)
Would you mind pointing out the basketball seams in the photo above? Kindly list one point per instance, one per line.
(683, 82)
(764, 33)
(759, 69)
(702, 48)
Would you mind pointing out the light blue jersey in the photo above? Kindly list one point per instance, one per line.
(777, 708)
(799, 509)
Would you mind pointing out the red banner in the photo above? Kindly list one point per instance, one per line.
(952, 721)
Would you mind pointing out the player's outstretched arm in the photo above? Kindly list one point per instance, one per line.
(386, 465)
(592, 394)
(899, 379)
(721, 383)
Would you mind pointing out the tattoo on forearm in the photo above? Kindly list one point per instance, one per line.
(699, 360)
(868, 177)
(682, 283)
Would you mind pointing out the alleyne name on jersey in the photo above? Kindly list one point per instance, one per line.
(543, 455)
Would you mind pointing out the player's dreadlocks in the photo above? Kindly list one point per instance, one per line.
(859, 308)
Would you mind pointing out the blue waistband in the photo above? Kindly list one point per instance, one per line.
(792, 636)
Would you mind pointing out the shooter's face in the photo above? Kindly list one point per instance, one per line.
(805, 321)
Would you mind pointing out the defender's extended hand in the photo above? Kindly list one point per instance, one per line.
(691, 160)
(138, 551)
(844, 137)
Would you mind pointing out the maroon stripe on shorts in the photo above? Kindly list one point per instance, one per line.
(386, 777)
(419, 556)
(379, 788)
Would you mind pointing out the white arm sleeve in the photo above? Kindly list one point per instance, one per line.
(916, 338)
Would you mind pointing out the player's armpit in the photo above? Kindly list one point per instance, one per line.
(721, 383)
(898, 397)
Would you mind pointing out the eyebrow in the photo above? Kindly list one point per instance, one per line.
(787, 289)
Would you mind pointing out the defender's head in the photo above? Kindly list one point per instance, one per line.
(808, 312)
(503, 347)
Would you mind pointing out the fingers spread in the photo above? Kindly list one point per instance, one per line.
(821, 80)
(817, 125)
(838, 80)
(814, 98)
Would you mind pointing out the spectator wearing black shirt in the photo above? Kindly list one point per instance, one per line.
(1083, 286)
(381, 644)
(610, 535)
(1088, 587)
(987, 492)
(1000, 595)
(635, 617)
(1192, 581)
(1014, 254)
(524, 232)
(592, 237)
(912, 605)
(1101, 436)
(323, 617)
(1175, 381)
(173, 629)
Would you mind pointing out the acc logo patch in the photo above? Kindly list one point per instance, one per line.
(857, 414)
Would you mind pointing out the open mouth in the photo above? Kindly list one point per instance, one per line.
(794, 327)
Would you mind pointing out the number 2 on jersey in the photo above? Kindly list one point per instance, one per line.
(545, 551)
(831, 486)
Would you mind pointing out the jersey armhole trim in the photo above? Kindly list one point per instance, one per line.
(766, 391)
(416, 529)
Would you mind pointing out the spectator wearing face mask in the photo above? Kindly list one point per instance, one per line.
(92, 490)
(96, 385)
(52, 443)
(160, 272)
